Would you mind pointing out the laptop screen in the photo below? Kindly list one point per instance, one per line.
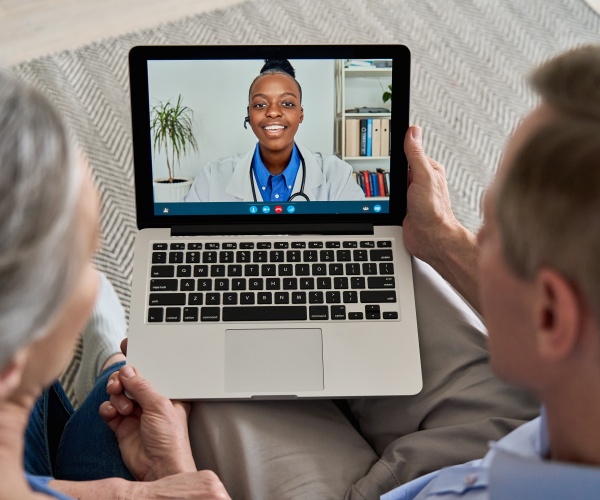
(257, 132)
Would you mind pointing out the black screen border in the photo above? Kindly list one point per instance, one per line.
(142, 147)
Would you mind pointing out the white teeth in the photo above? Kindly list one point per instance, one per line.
(274, 127)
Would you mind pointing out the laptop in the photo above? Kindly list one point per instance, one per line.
(273, 265)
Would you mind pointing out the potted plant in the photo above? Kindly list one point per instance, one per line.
(172, 131)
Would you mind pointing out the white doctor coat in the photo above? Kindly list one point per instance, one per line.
(327, 179)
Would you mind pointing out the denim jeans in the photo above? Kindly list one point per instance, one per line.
(74, 445)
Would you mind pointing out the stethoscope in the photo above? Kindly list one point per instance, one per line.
(299, 194)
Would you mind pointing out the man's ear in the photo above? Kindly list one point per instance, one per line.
(558, 315)
(10, 374)
(301, 114)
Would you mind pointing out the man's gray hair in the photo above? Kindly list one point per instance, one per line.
(39, 185)
(548, 204)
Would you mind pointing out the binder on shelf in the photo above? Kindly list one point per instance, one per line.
(376, 138)
(381, 184)
(367, 182)
(352, 137)
(363, 137)
(369, 148)
(374, 184)
(385, 137)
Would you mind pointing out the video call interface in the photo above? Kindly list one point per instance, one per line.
(229, 140)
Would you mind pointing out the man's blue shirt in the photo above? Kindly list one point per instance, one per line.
(515, 467)
(278, 187)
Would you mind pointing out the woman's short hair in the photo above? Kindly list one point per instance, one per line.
(39, 183)
(548, 205)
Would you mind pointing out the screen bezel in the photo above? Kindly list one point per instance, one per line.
(142, 147)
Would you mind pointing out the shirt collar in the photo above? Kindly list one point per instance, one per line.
(289, 174)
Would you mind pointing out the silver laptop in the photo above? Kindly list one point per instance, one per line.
(270, 262)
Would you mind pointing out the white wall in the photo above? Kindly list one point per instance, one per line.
(217, 92)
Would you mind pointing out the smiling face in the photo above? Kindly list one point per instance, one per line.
(275, 113)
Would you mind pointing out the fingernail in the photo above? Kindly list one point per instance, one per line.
(108, 408)
(123, 406)
(110, 382)
(127, 371)
(416, 133)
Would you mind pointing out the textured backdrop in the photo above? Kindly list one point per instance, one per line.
(470, 61)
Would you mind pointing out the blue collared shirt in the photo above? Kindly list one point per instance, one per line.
(276, 187)
(515, 467)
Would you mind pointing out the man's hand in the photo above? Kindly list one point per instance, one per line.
(431, 231)
(152, 431)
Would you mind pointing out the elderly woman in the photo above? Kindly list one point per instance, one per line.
(49, 215)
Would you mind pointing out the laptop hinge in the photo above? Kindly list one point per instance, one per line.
(261, 229)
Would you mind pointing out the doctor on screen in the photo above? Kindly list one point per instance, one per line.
(277, 169)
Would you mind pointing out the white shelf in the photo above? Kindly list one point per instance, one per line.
(367, 115)
(367, 72)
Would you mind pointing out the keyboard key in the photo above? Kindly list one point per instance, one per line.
(209, 257)
(177, 246)
(369, 268)
(230, 299)
(162, 271)
(176, 258)
(336, 269)
(333, 297)
(159, 246)
(234, 270)
(264, 298)
(355, 315)
(360, 255)
(343, 255)
(212, 246)
(384, 244)
(164, 285)
(367, 244)
(155, 314)
(167, 299)
(184, 271)
(200, 271)
(319, 269)
(187, 285)
(246, 245)
(268, 269)
(251, 270)
(299, 298)
(259, 256)
(159, 257)
(340, 283)
(192, 257)
(213, 299)
(352, 269)
(315, 244)
(377, 255)
(266, 313)
(324, 283)
(247, 298)
(276, 256)
(204, 285)
(386, 268)
(350, 244)
(194, 246)
(310, 255)
(318, 313)
(273, 283)
(285, 269)
(281, 244)
(293, 255)
(315, 297)
(226, 257)
(332, 244)
(194, 299)
(256, 284)
(217, 271)
(173, 314)
(357, 282)
(298, 244)
(282, 298)
(263, 245)
(338, 312)
(373, 312)
(381, 282)
(222, 284)
(326, 255)
(302, 270)
(390, 315)
(229, 246)
(290, 283)
(350, 297)
(242, 257)
(307, 283)
(190, 314)
(379, 296)
(210, 314)
(238, 284)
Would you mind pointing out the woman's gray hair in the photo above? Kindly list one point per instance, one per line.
(39, 191)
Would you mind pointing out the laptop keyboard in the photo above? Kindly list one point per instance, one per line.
(261, 281)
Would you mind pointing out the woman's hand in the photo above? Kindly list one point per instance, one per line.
(151, 430)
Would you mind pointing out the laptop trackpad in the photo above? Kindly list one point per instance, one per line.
(276, 360)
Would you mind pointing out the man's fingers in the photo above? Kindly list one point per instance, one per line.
(417, 159)
(110, 415)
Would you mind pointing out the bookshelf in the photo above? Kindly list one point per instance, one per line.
(360, 84)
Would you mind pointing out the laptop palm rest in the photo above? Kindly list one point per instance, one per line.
(274, 360)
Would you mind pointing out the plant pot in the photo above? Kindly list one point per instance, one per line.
(167, 192)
